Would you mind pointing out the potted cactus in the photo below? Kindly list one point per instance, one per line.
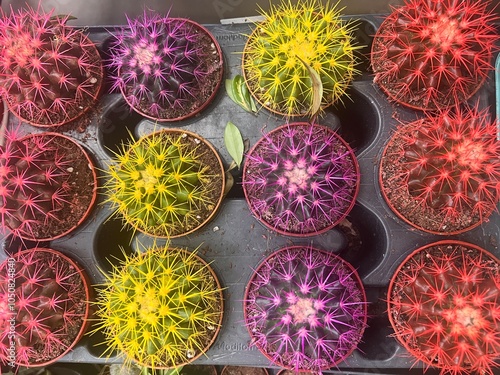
(441, 173)
(50, 72)
(444, 306)
(43, 307)
(292, 40)
(431, 54)
(305, 309)
(301, 179)
(160, 308)
(167, 69)
(166, 184)
(48, 185)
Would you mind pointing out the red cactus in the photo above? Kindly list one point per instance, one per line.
(431, 54)
(51, 73)
(47, 297)
(40, 178)
(444, 305)
(442, 173)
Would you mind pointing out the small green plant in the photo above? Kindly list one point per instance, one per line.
(167, 183)
(161, 307)
(292, 40)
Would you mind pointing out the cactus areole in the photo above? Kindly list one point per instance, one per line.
(444, 306)
(305, 309)
(433, 54)
(301, 179)
(291, 36)
(441, 173)
(48, 185)
(166, 184)
(167, 69)
(43, 307)
(161, 308)
(50, 73)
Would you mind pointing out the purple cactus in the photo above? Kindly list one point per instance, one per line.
(166, 68)
(305, 308)
(301, 179)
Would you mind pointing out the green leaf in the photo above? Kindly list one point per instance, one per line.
(317, 87)
(237, 90)
(234, 143)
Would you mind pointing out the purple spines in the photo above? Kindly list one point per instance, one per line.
(301, 179)
(305, 309)
(158, 63)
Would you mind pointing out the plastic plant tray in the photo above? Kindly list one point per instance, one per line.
(235, 242)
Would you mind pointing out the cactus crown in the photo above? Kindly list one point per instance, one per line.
(306, 31)
(50, 72)
(38, 178)
(161, 307)
(166, 184)
(50, 305)
(450, 163)
(444, 303)
(432, 54)
(163, 65)
(301, 179)
(305, 308)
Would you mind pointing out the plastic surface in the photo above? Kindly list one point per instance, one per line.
(372, 238)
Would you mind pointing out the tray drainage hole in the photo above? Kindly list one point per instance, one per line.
(377, 343)
(366, 240)
(359, 119)
(117, 126)
(113, 243)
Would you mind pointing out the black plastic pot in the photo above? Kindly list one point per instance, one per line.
(371, 238)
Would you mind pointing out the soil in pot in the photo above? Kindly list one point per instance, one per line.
(443, 304)
(49, 185)
(166, 184)
(243, 370)
(167, 69)
(50, 306)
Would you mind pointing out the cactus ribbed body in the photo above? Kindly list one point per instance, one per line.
(167, 183)
(160, 308)
(306, 31)
(444, 304)
(50, 306)
(165, 67)
(51, 73)
(432, 54)
(305, 308)
(301, 179)
(449, 163)
(40, 179)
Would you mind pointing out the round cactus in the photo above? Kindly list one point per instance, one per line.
(45, 294)
(433, 54)
(305, 308)
(166, 68)
(50, 72)
(48, 185)
(301, 179)
(444, 306)
(442, 173)
(166, 184)
(291, 35)
(161, 307)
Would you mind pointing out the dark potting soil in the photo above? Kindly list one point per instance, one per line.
(242, 370)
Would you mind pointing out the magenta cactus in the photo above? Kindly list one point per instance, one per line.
(442, 173)
(47, 185)
(432, 54)
(50, 306)
(305, 309)
(301, 179)
(444, 306)
(50, 72)
(166, 68)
